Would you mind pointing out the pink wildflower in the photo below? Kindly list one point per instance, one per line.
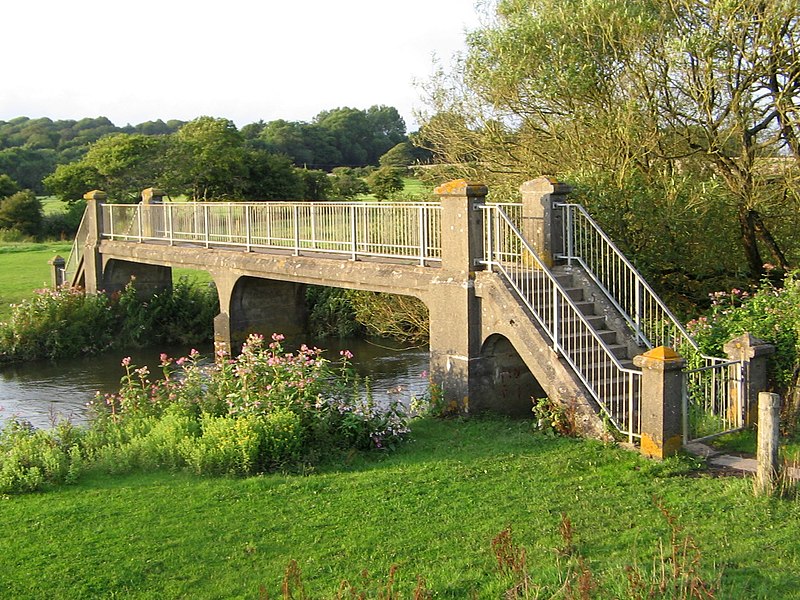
(126, 362)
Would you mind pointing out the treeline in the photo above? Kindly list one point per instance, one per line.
(208, 158)
(30, 149)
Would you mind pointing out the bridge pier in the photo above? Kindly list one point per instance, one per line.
(455, 332)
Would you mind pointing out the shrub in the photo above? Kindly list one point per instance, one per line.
(768, 312)
(67, 321)
(29, 458)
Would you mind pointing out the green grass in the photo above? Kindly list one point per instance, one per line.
(432, 508)
(24, 268)
(52, 205)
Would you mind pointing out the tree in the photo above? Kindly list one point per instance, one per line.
(71, 181)
(346, 184)
(206, 160)
(271, 177)
(7, 186)
(120, 164)
(683, 101)
(23, 212)
(385, 181)
(316, 184)
(404, 154)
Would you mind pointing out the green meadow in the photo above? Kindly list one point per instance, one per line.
(433, 509)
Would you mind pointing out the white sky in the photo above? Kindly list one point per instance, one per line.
(243, 60)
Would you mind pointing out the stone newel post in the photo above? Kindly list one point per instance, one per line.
(92, 264)
(662, 390)
(755, 353)
(57, 264)
(454, 309)
(541, 221)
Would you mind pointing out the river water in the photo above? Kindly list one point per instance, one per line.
(42, 391)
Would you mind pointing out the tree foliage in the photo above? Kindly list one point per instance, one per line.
(385, 182)
(23, 212)
(340, 137)
(694, 102)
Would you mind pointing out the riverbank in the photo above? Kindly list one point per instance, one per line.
(432, 508)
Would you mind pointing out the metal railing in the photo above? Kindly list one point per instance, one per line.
(354, 229)
(75, 257)
(616, 388)
(648, 317)
(714, 400)
(653, 324)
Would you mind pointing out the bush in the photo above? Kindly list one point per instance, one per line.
(23, 212)
(59, 322)
(263, 409)
(67, 321)
(29, 458)
(768, 312)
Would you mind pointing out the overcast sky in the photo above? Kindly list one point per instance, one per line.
(244, 60)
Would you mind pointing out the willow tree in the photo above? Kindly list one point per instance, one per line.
(687, 109)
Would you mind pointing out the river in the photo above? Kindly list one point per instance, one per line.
(42, 391)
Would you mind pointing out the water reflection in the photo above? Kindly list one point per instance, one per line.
(41, 391)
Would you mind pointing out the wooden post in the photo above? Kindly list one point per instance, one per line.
(769, 412)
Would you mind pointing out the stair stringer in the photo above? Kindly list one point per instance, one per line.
(503, 313)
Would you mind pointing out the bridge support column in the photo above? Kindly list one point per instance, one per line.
(455, 338)
(662, 390)
(755, 353)
(92, 261)
(542, 222)
(254, 305)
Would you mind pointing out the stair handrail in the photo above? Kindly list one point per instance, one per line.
(551, 325)
(76, 252)
(643, 293)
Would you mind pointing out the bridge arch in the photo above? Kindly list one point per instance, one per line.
(509, 386)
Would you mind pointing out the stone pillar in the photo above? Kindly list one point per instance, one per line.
(454, 309)
(93, 221)
(153, 220)
(769, 416)
(152, 195)
(661, 402)
(542, 223)
(57, 264)
(755, 353)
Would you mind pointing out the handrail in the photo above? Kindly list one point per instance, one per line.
(356, 229)
(645, 312)
(615, 387)
(75, 253)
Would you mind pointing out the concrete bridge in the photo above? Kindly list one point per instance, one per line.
(525, 300)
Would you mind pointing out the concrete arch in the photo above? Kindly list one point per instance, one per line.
(508, 384)
(257, 305)
(149, 278)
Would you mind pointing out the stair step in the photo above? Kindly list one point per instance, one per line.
(620, 351)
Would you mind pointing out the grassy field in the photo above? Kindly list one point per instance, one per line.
(24, 268)
(432, 508)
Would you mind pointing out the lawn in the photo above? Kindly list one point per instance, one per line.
(432, 508)
(24, 268)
